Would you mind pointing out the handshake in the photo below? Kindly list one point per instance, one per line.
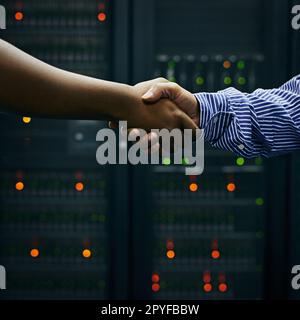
(164, 104)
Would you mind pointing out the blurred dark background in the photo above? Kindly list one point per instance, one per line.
(72, 229)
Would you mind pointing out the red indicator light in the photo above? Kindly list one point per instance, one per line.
(223, 287)
(155, 287)
(207, 287)
(101, 16)
(155, 278)
(170, 245)
(215, 254)
(206, 277)
(19, 16)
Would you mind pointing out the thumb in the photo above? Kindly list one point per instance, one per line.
(161, 90)
(152, 95)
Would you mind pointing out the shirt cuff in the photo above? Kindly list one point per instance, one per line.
(215, 114)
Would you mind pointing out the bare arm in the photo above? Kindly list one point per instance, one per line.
(30, 86)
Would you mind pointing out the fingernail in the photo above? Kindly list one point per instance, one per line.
(148, 95)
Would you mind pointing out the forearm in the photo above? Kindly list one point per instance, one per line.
(29, 86)
(265, 122)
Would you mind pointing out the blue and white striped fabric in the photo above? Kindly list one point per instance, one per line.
(265, 122)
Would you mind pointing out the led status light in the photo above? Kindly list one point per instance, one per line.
(86, 253)
(227, 64)
(19, 16)
(101, 16)
(19, 186)
(166, 161)
(241, 65)
(206, 277)
(215, 254)
(155, 287)
(241, 81)
(170, 245)
(155, 278)
(185, 161)
(26, 119)
(240, 161)
(207, 287)
(231, 187)
(171, 254)
(259, 201)
(34, 253)
(223, 287)
(193, 187)
(200, 81)
(79, 186)
(227, 80)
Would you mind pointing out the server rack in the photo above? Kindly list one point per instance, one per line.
(60, 224)
(200, 239)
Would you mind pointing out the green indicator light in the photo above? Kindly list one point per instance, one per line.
(240, 161)
(241, 65)
(185, 161)
(259, 201)
(166, 161)
(258, 161)
(241, 81)
(200, 81)
(227, 80)
(172, 79)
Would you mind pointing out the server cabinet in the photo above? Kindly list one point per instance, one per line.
(207, 237)
(59, 235)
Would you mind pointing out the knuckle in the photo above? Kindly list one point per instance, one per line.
(174, 86)
(161, 79)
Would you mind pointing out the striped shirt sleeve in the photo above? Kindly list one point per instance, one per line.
(262, 123)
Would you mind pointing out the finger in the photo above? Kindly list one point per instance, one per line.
(161, 90)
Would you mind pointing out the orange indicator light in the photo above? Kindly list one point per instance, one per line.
(86, 253)
(34, 253)
(101, 16)
(79, 186)
(215, 254)
(19, 16)
(193, 187)
(226, 64)
(231, 187)
(19, 186)
(171, 254)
